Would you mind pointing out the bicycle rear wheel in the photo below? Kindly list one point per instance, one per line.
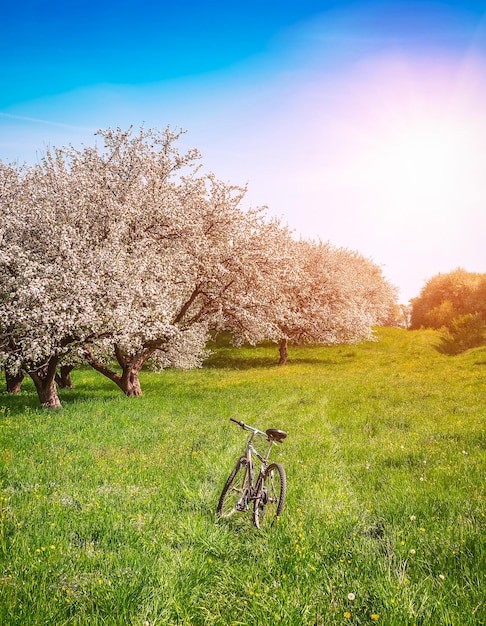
(234, 496)
(270, 499)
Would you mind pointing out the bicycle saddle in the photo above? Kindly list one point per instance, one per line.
(275, 434)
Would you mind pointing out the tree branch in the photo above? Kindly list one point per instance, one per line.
(186, 306)
(99, 367)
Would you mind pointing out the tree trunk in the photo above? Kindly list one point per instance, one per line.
(283, 349)
(45, 384)
(63, 377)
(14, 382)
(128, 381)
(47, 393)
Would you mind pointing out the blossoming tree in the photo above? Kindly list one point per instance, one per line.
(46, 275)
(335, 295)
(126, 253)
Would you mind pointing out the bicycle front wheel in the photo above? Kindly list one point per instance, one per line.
(234, 496)
(270, 498)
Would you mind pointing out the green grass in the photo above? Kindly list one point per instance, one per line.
(107, 507)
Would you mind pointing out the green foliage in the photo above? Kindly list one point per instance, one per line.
(446, 296)
(456, 304)
(466, 332)
(440, 316)
(107, 509)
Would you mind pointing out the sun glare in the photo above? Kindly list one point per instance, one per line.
(414, 150)
(425, 165)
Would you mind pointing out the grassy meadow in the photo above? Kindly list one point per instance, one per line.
(107, 506)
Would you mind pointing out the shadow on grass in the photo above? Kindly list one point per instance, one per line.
(20, 402)
(26, 400)
(247, 363)
(218, 361)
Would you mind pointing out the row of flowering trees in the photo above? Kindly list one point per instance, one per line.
(127, 254)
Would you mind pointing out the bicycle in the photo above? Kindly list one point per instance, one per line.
(268, 492)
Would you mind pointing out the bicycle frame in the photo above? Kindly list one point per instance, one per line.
(249, 486)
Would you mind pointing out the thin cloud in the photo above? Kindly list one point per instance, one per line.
(36, 120)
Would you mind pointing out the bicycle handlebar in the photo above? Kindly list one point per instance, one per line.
(247, 427)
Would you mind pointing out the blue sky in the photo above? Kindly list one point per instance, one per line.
(361, 123)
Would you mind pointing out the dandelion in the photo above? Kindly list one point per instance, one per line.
(351, 596)
(374, 616)
(412, 518)
(347, 614)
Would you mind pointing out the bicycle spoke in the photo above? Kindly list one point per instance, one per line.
(234, 495)
(271, 497)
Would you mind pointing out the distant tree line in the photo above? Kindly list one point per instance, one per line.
(455, 303)
(126, 254)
